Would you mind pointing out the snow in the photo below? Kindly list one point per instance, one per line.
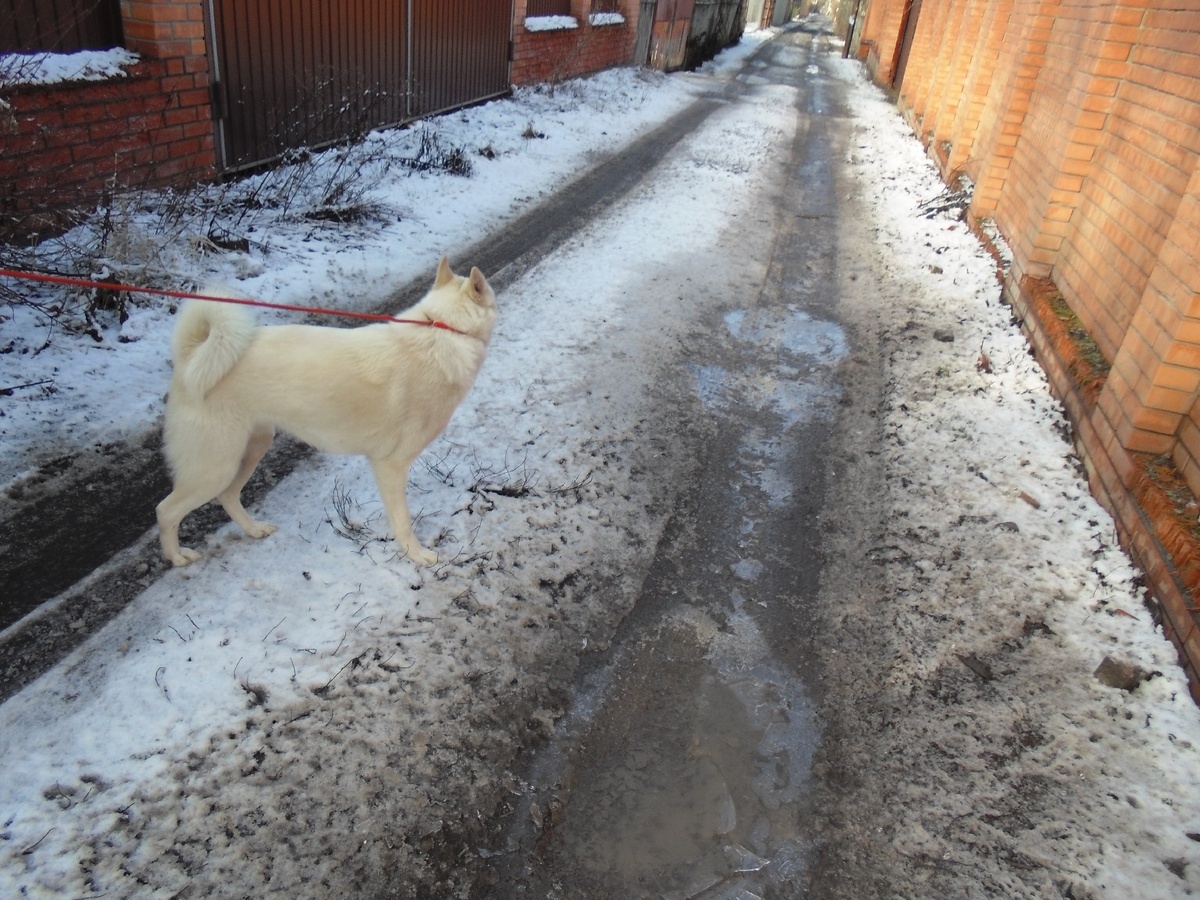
(55, 68)
(606, 18)
(241, 717)
(550, 23)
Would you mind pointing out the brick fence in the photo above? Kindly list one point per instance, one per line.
(555, 55)
(1079, 124)
(150, 128)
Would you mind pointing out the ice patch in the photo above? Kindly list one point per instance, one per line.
(794, 331)
(747, 569)
(711, 384)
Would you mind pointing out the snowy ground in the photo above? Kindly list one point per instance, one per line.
(243, 717)
(985, 759)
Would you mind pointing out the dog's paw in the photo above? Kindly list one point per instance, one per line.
(420, 556)
(184, 557)
(260, 529)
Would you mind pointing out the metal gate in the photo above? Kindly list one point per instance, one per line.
(641, 49)
(307, 73)
(668, 37)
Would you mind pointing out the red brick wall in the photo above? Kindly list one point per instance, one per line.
(1146, 150)
(945, 77)
(552, 56)
(1058, 136)
(1080, 124)
(70, 143)
(984, 60)
(1177, 275)
(1150, 400)
(1003, 109)
(880, 38)
(922, 60)
(162, 29)
(952, 86)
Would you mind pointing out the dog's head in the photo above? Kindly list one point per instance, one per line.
(466, 303)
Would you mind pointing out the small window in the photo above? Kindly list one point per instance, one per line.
(59, 26)
(536, 8)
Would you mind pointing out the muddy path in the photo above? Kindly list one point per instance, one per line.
(685, 765)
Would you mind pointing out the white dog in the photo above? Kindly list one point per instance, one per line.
(385, 391)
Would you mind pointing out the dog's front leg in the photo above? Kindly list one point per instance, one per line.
(392, 478)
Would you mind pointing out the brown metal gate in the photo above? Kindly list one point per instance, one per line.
(306, 73)
(668, 37)
(460, 52)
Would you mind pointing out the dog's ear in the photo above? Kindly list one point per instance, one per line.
(479, 285)
(444, 275)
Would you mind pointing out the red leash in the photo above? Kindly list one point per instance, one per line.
(184, 295)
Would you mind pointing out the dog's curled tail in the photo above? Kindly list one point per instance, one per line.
(209, 339)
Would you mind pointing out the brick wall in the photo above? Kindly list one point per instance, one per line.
(1042, 187)
(881, 34)
(551, 56)
(1148, 140)
(71, 143)
(1079, 123)
(1005, 103)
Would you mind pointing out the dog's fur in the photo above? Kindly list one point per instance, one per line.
(385, 391)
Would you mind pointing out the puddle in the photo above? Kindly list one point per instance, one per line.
(793, 383)
(794, 379)
(794, 331)
(701, 795)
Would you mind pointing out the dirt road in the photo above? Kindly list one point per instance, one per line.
(692, 739)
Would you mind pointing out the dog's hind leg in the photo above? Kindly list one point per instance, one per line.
(170, 513)
(392, 478)
(231, 497)
(192, 490)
